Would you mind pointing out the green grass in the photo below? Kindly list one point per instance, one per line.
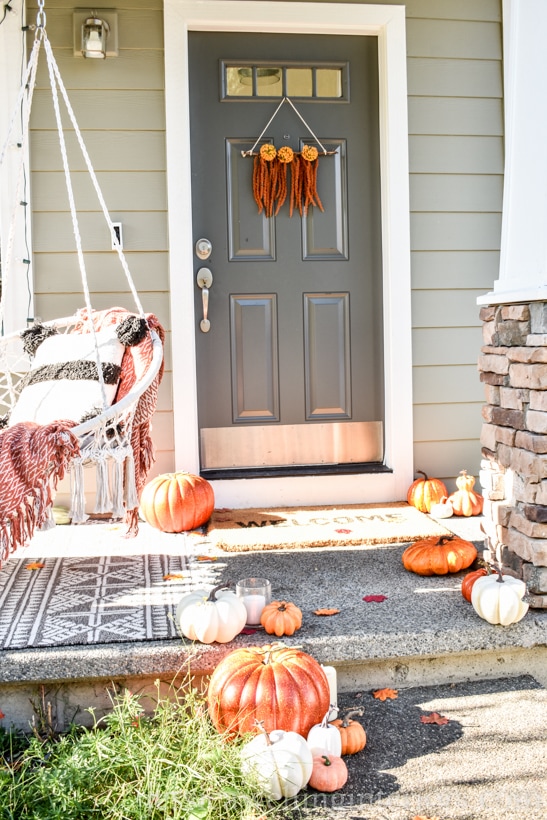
(170, 763)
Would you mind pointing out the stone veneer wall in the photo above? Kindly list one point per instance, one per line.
(513, 368)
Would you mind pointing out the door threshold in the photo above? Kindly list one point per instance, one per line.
(295, 470)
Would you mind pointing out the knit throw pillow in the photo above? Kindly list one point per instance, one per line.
(64, 381)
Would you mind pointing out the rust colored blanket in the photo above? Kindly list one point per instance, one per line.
(33, 458)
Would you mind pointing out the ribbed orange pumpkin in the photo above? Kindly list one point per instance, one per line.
(439, 556)
(177, 502)
(469, 581)
(424, 492)
(329, 773)
(284, 687)
(465, 501)
(281, 618)
(353, 735)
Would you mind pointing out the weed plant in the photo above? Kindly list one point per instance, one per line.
(129, 765)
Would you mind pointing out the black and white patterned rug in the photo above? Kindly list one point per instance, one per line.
(90, 600)
(87, 585)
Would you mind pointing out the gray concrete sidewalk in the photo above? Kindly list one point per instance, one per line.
(489, 762)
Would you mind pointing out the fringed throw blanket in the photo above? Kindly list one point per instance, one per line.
(136, 361)
(33, 458)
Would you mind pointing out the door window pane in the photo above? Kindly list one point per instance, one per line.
(239, 81)
(328, 82)
(299, 82)
(269, 82)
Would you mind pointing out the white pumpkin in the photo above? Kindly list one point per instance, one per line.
(324, 737)
(280, 762)
(204, 616)
(498, 599)
(443, 509)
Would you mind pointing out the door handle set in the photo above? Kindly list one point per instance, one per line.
(205, 280)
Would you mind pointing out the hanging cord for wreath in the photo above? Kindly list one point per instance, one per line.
(270, 166)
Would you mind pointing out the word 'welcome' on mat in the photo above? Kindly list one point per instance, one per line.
(304, 527)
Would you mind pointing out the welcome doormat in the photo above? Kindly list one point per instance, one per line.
(89, 600)
(304, 527)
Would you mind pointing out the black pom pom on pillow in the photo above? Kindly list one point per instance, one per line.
(34, 335)
(132, 330)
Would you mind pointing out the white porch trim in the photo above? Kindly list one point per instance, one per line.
(19, 297)
(523, 257)
(388, 24)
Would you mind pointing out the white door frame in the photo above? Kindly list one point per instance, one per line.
(388, 24)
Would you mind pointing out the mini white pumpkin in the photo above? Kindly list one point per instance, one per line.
(324, 737)
(443, 509)
(498, 599)
(218, 615)
(280, 762)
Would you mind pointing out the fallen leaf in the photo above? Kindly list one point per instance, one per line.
(206, 557)
(343, 532)
(434, 717)
(35, 565)
(383, 694)
(326, 611)
(173, 576)
(2, 715)
(423, 817)
(374, 598)
(247, 630)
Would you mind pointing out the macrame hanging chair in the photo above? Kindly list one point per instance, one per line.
(113, 436)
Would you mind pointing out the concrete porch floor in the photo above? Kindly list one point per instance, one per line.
(423, 633)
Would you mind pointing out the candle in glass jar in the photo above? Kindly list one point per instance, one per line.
(330, 672)
(254, 604)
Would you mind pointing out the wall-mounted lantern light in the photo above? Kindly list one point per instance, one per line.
(95, 33)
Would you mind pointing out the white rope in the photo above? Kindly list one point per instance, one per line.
(51, 60)
(293, 106)
(30, 80)
(73, 213)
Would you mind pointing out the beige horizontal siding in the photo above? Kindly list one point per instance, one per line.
(53, 232)
(122, 191)
(455, 86)
(445, 308)
(58, 272)
(454, 78)
(446, 345)
(455, 192)
(442, 384)
(454, 269)
(446, 422)
(108, 150)
(130, 112)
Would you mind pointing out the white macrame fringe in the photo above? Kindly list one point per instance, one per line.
(103, 501)
(77, 501)
(117, 489)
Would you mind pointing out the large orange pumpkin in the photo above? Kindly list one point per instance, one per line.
(424, 492)
(439, 556)
(281, 686)
(465, 501)
(177, 502)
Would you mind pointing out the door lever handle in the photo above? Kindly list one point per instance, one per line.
(205, 280)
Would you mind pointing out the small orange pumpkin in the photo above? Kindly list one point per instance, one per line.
(439, 556)
(281, 618)
(465, 501)
(354, 737)
(177, 502)
(424, 492)
(469, 581)
(329, 773)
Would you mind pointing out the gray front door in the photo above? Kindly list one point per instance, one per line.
(290, 359)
